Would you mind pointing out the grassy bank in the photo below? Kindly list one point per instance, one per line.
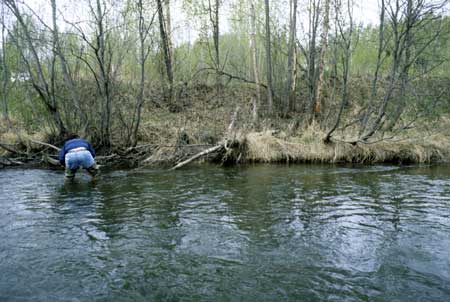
(266, 147)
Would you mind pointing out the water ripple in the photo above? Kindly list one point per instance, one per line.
(258, 233)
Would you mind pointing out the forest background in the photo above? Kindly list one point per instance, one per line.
(296, 80)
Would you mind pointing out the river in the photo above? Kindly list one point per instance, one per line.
(208, 233)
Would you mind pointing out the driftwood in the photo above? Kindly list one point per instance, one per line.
(198, 155)
(9, 162)
(51, 161)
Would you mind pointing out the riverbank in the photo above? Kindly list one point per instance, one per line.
(167, 138)
(266, 147)
(270, 146)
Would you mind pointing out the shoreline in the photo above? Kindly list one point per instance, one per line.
(259, 147)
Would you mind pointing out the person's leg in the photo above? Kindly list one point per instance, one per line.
(93, 170)
(70, 173)
(89, 164)
(72, 164)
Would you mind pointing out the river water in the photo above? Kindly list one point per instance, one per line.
(254, 233)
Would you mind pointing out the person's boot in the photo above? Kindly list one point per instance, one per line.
(94, 171)
(69, 174)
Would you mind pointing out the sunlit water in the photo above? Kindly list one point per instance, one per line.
(258, 233)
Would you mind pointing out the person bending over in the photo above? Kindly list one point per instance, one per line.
(75, 153)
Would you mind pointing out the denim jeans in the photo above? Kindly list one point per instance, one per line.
(75, 160)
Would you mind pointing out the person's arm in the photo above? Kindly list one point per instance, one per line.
(62, 155)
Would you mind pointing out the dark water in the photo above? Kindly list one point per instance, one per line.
(262, 233)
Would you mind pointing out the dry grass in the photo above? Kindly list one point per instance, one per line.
(207, 124)
(19, 138)
(204, 122)
(308, 147)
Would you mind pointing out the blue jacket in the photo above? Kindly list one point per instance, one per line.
(72, 144)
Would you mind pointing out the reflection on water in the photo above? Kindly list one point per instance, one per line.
(257, 233)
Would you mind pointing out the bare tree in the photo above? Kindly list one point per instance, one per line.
(99, 61)
(144, 51)
(346, 36)
(309, 51)
(268, 60)
(405, 20)
(43, 86)
(67, 76)
(374, 85)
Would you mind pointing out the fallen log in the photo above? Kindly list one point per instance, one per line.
(44, 144)
(198, 155)
(9, 162)
(8, 148)
(54, 162)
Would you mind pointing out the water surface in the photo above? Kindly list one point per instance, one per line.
(257, 233)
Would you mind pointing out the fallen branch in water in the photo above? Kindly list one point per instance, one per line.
(54, 162)
(9, 162)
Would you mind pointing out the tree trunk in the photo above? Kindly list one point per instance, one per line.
(396, 57)
(104, 77)
(311, 55)
(268, 61)
(169, 28)
(291, 61)
(404, 71)
(166, 50)
(5, 72)
(213, 11)
(143, 54)
(323, 50)
(373, 92)
(346, 36)
(68, 80)
(254, 61)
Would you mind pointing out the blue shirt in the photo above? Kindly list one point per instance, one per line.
(72, 144)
